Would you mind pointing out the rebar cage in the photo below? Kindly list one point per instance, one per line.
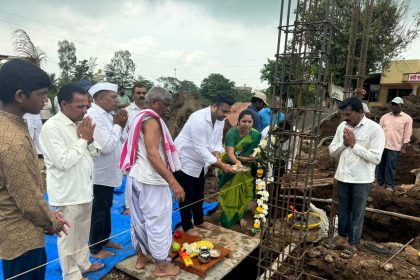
(301, 75)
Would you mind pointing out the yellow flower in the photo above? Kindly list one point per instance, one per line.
(259, 209)
(260, 172)
(257, 225)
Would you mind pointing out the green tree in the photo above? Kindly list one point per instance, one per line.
(142, 80)
(67, 60)
(24, 47)
(121, 69)
(391, 33)
(214, 83)
(170, 83)
(82, 70)
(186, 86)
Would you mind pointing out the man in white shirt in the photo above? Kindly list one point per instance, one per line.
(138, 94)
(107, 174)
(358, 145)
(68, 150)
(34, 124)
(199, 144)
(150, 184)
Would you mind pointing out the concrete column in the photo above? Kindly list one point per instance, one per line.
(415, 87)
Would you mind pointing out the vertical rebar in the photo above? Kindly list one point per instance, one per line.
(301, 72)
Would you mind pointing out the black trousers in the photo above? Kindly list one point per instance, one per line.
(100, 227)
(194, 191)
(29, 260)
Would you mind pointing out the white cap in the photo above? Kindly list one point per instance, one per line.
(103, 86)
(397, 100)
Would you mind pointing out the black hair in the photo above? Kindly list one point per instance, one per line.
(223, 97)
(19, 74)
(67, 92)
(244, 113)
(354, 102)
(137, 86)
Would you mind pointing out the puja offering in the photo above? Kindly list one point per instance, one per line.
(215, 253)
(204, 255)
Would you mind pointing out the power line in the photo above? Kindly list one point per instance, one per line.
(112, 39)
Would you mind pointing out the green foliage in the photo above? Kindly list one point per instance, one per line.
(142, 80)
(170, 83)
(391, 32)
(121, 69)
(177, 86)
(67, 60)
(186, 86)
(214, 83)
(53, 90)
(82, 70)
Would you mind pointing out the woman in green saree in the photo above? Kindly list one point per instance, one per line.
(237, 190)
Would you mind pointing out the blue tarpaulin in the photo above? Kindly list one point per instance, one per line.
(120, 223)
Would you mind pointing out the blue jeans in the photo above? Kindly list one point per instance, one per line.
(29, 260)
(387, 168)
(351, 206)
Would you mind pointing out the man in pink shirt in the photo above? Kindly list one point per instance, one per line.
(398, 127)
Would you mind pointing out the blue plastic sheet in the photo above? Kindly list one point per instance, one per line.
(120, 223)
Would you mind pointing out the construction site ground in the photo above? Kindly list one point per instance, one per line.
(385, 232)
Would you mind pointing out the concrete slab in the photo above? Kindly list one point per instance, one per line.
(241, 245)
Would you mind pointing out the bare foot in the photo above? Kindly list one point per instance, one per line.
(142, 260)
(111, 244)
(243, 222)
(166, 269)
(103, 254)
(193, 232)
(126, 212)
(207, 226)
(94, 267)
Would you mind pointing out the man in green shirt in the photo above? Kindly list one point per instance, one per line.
(123, 100)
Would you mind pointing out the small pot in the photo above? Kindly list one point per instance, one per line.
(204, 255)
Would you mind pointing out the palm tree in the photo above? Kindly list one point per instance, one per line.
(24, 47)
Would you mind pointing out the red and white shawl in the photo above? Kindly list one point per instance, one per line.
(129, 151)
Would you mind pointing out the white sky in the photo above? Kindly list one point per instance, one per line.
(231, 37)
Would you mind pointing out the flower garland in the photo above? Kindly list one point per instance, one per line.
(262, 199)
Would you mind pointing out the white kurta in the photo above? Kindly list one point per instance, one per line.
(107, 135)
(34, 123)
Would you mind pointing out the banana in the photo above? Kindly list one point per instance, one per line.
(205, 243)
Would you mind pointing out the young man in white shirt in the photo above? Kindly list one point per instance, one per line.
(68, 145)
(357, 145)
(138, 94)
(107, 174)
(199, 144)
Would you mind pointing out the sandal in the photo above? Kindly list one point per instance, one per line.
(332, 244)
(348, 253)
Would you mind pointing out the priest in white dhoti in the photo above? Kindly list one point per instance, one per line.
(150, 156)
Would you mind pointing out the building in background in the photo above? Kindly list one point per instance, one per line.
(401, 79)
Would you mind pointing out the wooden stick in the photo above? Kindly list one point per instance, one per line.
(393, 256)
(368, 209)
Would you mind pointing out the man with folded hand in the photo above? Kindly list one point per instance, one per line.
(68, 145)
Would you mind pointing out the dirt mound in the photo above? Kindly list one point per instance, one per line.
(365, 265)
(182, 107)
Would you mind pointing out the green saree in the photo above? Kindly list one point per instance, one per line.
(236, 190)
